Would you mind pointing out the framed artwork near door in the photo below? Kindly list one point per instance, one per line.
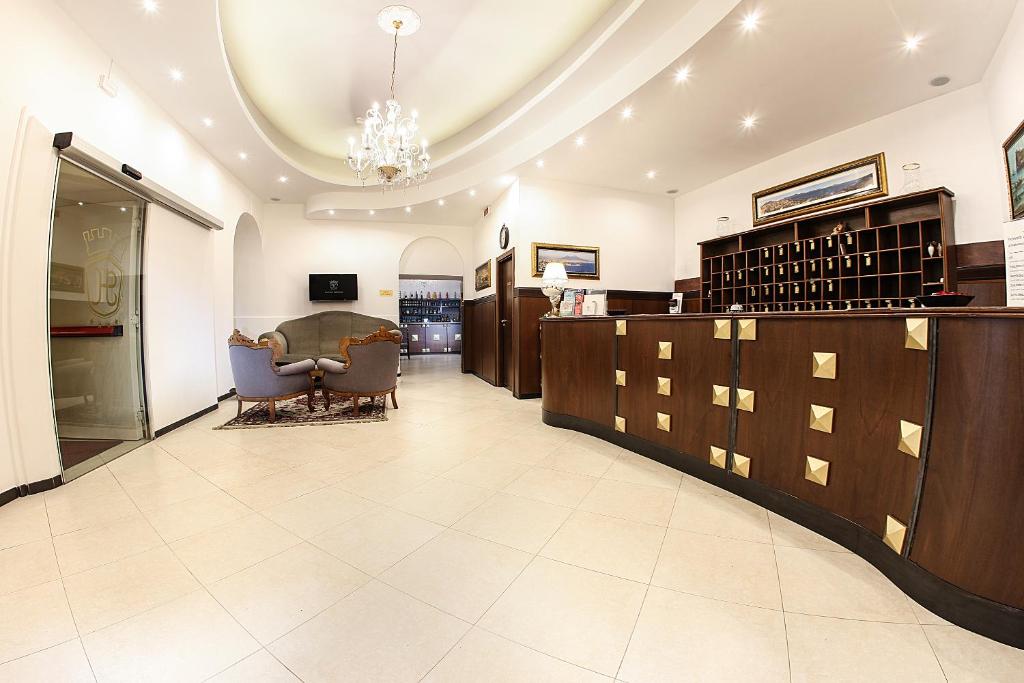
(483, 275)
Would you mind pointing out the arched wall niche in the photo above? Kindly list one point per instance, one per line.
(249, 272)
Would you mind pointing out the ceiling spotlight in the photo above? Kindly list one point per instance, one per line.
(176, 74)
(540, 163)
(243, 156)
(472, 193)
(682, 74)
(330, 212)
(123, 209)
(627, 113)
(81, 203)
(208, 122)
(749, 121)
(282, 179)
(581, 140)
(939, 81)
(372, 212)
(408, 209)
(911, 43)
(751, 20)
(150, 6)
(440, 202)
(651, 175)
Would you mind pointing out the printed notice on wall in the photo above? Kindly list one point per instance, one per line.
(1013, 241)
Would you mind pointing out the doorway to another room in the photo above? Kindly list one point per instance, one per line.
(430, 277)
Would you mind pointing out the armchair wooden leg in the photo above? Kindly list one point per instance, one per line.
(309, 399)
(355, 405)
(239, 408)
(273, 411)
(394, 401)
(327, 398)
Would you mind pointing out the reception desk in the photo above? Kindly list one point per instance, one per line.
(898, 433)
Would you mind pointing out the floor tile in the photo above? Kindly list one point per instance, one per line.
(441, 500)
(316, 512)
(260, 666)
(157, 494)
(640, 470)
(375, 634)
(827, 649)
(384, 483)
(635, 502)
(436, 458)
(335, 464)
(113, 592)
(43, 620)
(241, 471)
(95, 546)
(191, 638)
(222, 551)
(514, 521)
(26, 565)
(23, 521)
(552, 486)
(607, 544)
(966, 657)
(275, 489)
(488, 473)
(459, 574)
(574, 614)
(273, 597)
(838, 585)
(579, 460)
(721, 568)
(66, 663)
(791, 534)
(924, 616)
(727, 517)
(378, 539)
(681, 637)
(483, 656)
(191, 517)
(70, 513)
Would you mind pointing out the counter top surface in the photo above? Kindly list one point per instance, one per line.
(958, 312)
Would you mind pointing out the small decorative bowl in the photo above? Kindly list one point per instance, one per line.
(941, 300)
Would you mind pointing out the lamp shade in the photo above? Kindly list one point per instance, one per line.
(554, 273)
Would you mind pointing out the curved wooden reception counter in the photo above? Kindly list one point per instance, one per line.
(898, 434)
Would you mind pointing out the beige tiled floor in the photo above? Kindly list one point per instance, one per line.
(462, 540)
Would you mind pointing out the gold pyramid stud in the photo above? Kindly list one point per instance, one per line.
(748, 330)
(723, 329)
(917, 334)
(895, 533)
(741, 465)
(910, 438)
(745, 400)
(664, 386)
(620, 378)
(620, 424)
(823, 365)
(664, 422)
(665, 350)
(821, 418)
(620, 328)
(816, 470)
(718, 457)
(719, 395)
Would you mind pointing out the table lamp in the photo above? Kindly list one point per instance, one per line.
(553, 283)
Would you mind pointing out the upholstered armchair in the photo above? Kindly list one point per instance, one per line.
(257, 379)
(369, 368)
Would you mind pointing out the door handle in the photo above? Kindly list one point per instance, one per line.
(504, 322)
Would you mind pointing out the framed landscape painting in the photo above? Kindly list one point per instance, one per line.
(580, 262)
(1013, 154)
(851, 182)
(483, 275)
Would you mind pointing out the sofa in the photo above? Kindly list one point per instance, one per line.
(317, 336)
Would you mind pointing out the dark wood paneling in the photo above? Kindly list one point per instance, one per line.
(698, 361)
(690, 284)
(479, 340)
(985, 292)
(979, 254)
(879, 383)
(528, 311)
(971, 524)
(579, 369)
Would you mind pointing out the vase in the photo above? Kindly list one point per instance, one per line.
(911, 178)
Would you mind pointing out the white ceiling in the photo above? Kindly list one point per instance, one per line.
(811, 68)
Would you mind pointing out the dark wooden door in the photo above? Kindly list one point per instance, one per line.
(506, 298)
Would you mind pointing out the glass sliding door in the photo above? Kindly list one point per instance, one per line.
(95, 320)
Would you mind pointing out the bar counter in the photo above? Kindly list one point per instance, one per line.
(898, 434)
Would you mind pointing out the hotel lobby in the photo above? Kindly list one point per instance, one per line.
(599, 340)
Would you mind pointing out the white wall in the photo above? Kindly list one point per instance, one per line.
(503, 211)
(49, 68)
(431, 256)
(294, 247)
(1004, 94)
(950, 136)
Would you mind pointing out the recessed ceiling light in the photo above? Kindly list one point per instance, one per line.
(651, 175)
(408, 209)
(282, 179)
(81, 203)
(751, 20)
(749, 121)
(672, 191)
(682, 74)
(243, 156)
(440, 202)
(275, 199)
(939, 81)
(330, 212)
(472, 193)
(911, 43)
(123, 209)
(581, 140)
(627, 113)
(176, 74)
(208, 122)
(372, 212)
(150, 6)
(540, 163)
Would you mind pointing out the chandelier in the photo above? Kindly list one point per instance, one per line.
(388, 150)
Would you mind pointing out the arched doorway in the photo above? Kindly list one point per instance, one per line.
(249, 274)
(430, 273)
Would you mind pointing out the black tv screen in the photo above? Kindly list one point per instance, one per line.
(337, 287)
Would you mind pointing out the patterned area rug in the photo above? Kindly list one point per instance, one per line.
(294, 413)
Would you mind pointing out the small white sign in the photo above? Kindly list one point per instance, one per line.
(1013, 242)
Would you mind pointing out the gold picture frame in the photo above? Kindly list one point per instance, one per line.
(483, 275)
(1013, 163)
(854, 181)
(581, 263)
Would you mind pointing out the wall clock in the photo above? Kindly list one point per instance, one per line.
(503, 237)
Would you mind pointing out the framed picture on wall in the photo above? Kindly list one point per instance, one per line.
(580, 262)
(1013, 155)
(483, 275)
(844, 184)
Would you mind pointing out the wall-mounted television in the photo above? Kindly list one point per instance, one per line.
(333, 287)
